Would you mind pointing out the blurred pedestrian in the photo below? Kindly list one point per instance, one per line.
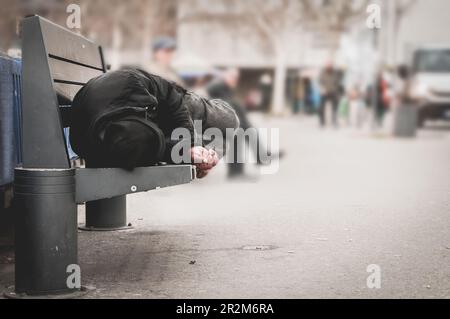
(299, 95)
(308, 95)
(356, 107)
(378, 98)
(265, 83)
(164, 49)
(329, 82)
(225, 89)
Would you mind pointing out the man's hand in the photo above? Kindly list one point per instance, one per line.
(202, 174)
(204, 160)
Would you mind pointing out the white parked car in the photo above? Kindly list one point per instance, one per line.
(430, 83)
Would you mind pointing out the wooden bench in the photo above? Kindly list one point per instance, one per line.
(56, 64)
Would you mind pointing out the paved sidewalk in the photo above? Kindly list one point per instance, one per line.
(341, 201)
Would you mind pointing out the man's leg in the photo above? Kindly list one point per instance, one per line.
(335, 104)
(323, 104)
(258, 147)
(235, 168)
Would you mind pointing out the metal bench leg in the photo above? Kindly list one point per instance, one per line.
(107, 214)
(46, 232)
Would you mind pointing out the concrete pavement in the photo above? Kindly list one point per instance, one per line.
(341, 201)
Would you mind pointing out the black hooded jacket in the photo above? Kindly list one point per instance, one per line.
(134, 92)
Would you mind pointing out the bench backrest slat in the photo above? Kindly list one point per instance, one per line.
(65, 44)
(68, 78)
(73, 59)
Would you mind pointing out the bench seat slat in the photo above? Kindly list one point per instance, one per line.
(100, 183)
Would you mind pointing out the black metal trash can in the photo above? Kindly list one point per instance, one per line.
(46, 230)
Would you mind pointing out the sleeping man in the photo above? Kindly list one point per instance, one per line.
(128, 118)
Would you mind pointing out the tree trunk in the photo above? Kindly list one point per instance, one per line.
(279, 85)
(146, 42)
(115, 48)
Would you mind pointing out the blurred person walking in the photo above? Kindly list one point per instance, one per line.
(225, 89)
(299, 96)
(356, 107)
(329, 82)
(378, 98)
(308, 95)
(265, 84)
(164, 49)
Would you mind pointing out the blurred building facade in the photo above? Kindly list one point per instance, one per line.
(426, 22)
(215, 34)
(224, 45)
(406, 25)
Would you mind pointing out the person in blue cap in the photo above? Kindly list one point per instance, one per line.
(164, 49)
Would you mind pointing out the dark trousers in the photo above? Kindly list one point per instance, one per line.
(235, 168)
(333, 98)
